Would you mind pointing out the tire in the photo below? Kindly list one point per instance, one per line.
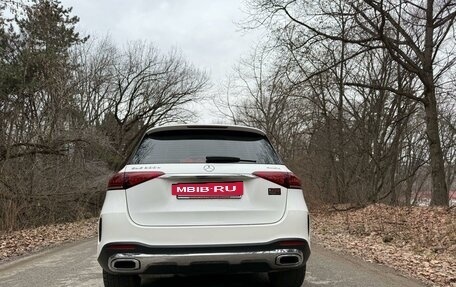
(289, 278)
(111, 280)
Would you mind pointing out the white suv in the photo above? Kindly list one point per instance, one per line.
(204, 198)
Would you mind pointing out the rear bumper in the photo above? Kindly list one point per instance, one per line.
(197, 249)
(140, 259)
(117, 226)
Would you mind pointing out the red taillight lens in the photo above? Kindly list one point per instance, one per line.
(285, 179)
(122, 247)
(116, 181)
(134, 178)
(293, 181)
(289, 243)
(124, 180)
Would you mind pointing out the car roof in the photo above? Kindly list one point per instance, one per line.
(206, 127)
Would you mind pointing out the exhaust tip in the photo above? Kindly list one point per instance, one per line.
(288, 260)
(125, 264)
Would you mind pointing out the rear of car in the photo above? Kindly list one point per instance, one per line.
(203, 199)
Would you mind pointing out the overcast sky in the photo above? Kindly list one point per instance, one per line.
(204, 30)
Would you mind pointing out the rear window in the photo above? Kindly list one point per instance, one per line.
(194, 146)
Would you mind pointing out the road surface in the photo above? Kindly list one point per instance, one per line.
(75, 265)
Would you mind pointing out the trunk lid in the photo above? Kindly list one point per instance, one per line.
(152, 203)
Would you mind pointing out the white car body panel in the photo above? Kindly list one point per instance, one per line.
(118, 227)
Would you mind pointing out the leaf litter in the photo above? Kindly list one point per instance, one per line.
(417, 241)
(26, 241)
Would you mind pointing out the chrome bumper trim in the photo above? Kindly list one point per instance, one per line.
(232, 258)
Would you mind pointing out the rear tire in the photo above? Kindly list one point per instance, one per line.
(111, 280)
(289, 278)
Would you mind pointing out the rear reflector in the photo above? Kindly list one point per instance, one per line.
(289, 243)
(124, 180)
(285, 179)
(122, 247)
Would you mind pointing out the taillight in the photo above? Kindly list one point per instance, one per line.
(124, 180)
(285, 179)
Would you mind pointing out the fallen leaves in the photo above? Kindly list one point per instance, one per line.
(26, 241)
(418, 241)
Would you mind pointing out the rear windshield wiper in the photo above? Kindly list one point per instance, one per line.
(215, 159)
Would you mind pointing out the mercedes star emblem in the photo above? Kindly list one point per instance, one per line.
(209, 168)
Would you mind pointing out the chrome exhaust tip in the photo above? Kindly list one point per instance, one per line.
(289, 260)
(125, 264)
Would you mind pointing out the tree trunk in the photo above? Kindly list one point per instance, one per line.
(408, 191)
(439, 186)
(395, 146)
(342, 190)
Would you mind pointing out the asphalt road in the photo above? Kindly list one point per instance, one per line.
(76, 265)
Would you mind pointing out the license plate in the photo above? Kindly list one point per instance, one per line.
(208, 190)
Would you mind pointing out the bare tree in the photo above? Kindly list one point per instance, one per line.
(415, 34)
(270, 103)
(70, 109)
(147, 89)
